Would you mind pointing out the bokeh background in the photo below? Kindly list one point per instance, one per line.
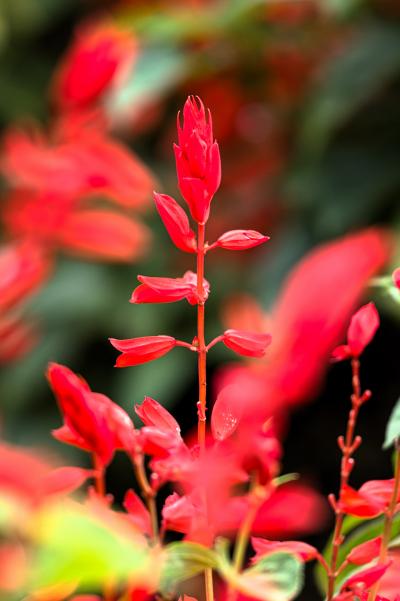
(305, 98)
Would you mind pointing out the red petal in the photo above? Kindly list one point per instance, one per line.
(366, 577)
(241, 239)
(225, 415)
(140, 350)
(160, 290)
(176, 222)
(104, 235)
(138, 512)
(360, 505)
(362, 328)
(247, 343)
(365, 552)
(340, 353)
(178, 513)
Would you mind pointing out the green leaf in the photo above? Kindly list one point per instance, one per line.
(183, 561)
(77, 545)
(279, 576)
(393, 426)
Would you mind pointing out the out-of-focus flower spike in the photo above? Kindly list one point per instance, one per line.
(248, 344)
(239, 240)
(136, 351)
(176, 222)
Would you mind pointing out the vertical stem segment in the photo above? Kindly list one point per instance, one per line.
(390, 512)
(202, 351)
(201, 365)
(347, 446)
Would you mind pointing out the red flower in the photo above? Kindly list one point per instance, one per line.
(176, 222)
(240, 240)
(100, 55)
(141, 350)
(264, 547)
(246, 343)
(198, 162)
(169, 290)
(362, 329)
(72, 167)
(91, 421)
(371, 500)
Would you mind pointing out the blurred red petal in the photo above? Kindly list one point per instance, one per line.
(104, 235)
(138, 512)
(64, 480)
(264, 547)
(363, 326)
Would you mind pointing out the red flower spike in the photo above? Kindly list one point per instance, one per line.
(396, 277)
(365, 552)
(100, 54)
(169, 290)
(363, 326)
(153, 414)
(246, 343)
(198, 162)
(240, 240)
(366, 578)
(264, 547)
(176, 222)
(138, 512)
(141, 350)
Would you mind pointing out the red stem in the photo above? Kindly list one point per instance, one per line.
(99, 478)
(202, 351)
(347, 445)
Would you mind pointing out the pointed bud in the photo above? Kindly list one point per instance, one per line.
(248, 344)
(153, 414)
(176, 222)
(362, 328)
(141, 350)
(240, 239)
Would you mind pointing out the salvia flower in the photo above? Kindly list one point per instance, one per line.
(169, 290)
(363, 326)
(249, 344)
(141, 350)
(176, 222)
(240, 240)
(198, 162)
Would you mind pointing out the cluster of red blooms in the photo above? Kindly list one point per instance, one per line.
(223, 484)
(55, 177)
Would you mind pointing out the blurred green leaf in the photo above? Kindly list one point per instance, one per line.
(185, 560)
(393, 426)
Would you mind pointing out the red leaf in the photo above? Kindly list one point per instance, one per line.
(176, 222)
(247, 343)
(141, 350)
